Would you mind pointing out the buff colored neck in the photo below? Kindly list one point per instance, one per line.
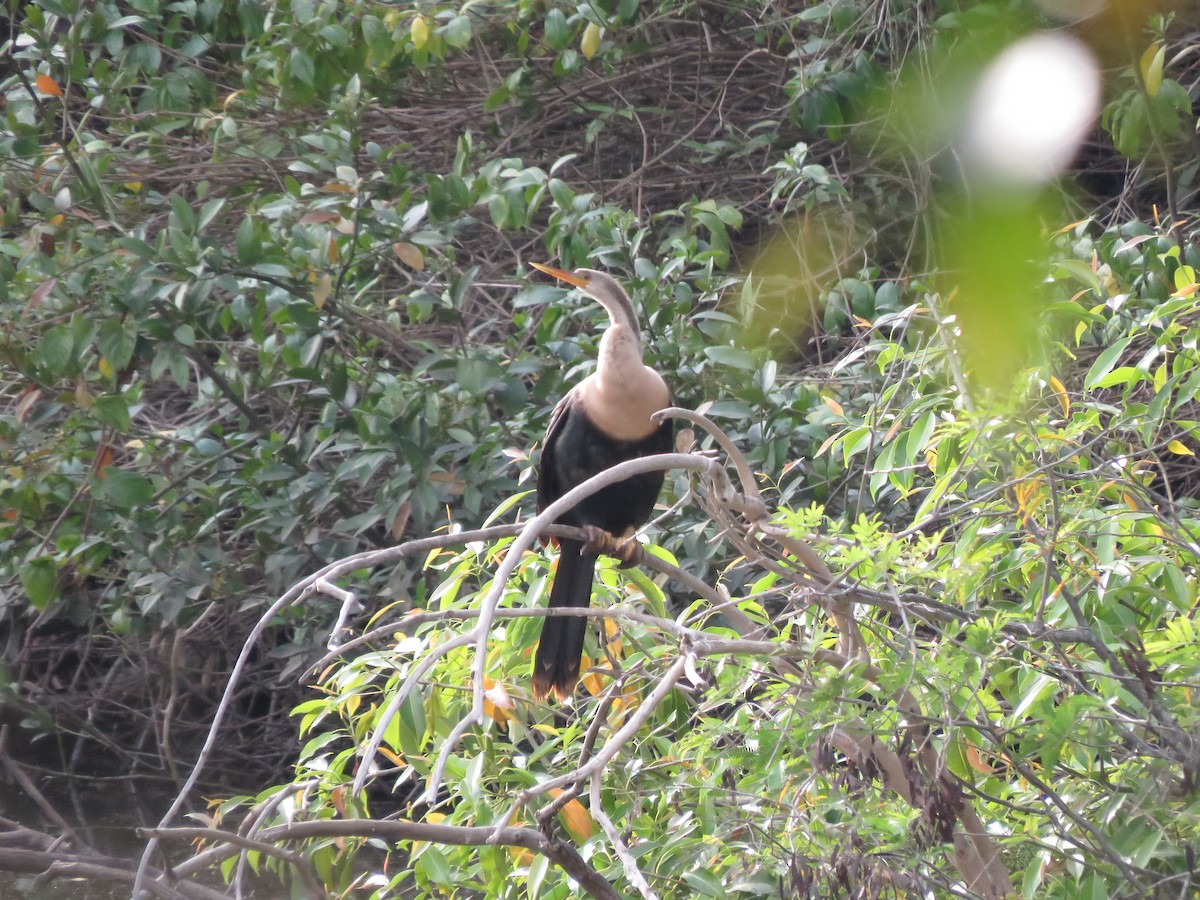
(622, 394)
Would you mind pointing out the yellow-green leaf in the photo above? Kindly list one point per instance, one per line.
(1185, 277)
(590, 42)
(1152, 68)
(39, 577)
(419, 32)
(322, 290)
(1177, 447)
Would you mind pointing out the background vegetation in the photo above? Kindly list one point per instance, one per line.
(266, 304)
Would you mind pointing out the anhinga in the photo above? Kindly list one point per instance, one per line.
(602, 421)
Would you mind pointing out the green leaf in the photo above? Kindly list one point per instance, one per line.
(56, 350)
(209, 212)
(182, 215)
(125, 490)
(537, 873)
(561, 192)
(195, 46)
(731, 409)
(1122, 375)
(457, 32)
(537, 295)
(733, 357)
(855, 441)
(558, 33)
(411, 716)
(705, 884)
(498, 209)
(729, 214)
(919, 434)
(249, 244)
(300, 66)
(1081, 272)
(112, 410)
(39, 578)
(116, 341)
(1105, 362)
(138, 248)
(377, 37)
(1179, 591)
(496, 99)
(651, 591)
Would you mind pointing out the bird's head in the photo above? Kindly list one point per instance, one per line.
(603, 288)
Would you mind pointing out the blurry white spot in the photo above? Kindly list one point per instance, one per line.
(1031, 110)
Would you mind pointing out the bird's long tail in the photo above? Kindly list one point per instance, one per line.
(556, 662)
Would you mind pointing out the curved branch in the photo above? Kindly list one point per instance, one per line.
(752, 506)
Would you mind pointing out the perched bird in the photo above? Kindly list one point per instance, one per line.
(602, 421)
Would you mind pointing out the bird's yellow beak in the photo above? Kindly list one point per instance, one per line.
(568, 277)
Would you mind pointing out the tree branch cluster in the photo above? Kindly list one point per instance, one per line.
(912, 769)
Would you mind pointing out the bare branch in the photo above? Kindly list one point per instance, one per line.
(752, 505)
(268, 847)
(744, 516)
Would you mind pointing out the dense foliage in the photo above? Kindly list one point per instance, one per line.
(263, 272)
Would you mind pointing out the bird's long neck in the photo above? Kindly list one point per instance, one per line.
(623, 392)
(621, 317)
(620, 356)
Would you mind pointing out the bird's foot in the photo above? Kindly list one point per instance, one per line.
(627, 551)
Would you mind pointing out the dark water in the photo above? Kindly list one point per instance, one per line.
(102, 809)
(103, 812)
(20, 887)
(104, 804)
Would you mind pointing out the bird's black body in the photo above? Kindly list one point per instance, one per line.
(606, 419)
(574, 451)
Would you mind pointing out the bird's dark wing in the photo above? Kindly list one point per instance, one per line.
(549, 487)
(663, 440)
